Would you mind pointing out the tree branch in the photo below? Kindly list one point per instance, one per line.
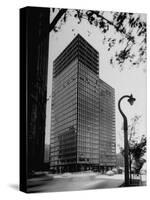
(56, 19)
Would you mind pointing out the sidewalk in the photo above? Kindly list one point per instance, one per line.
(73, 182)
(137, 181)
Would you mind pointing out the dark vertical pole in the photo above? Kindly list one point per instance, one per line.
(126, 151)
(130, 175)
(126, 145)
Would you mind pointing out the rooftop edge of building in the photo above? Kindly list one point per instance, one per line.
(77, 48)
(74, 40)
(104, 82)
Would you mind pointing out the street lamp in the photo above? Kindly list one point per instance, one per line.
(125, 127)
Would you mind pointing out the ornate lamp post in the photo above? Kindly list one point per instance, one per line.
(125, 127)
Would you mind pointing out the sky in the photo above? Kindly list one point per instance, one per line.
(125, 82)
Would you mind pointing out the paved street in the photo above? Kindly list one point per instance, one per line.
(74, 182)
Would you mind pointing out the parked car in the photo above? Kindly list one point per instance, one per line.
(115, 170)
(110, 173)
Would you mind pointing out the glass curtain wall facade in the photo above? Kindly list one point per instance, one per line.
(64, 120)
(107, 129)
(88, 119)
(76, 126)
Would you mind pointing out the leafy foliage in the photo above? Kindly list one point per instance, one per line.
(123, 33)
(137, 148)
(137, 152)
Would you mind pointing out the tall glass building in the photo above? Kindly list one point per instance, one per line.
(82, 119)
(107, 131)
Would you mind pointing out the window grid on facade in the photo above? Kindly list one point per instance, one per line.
(83, 111)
